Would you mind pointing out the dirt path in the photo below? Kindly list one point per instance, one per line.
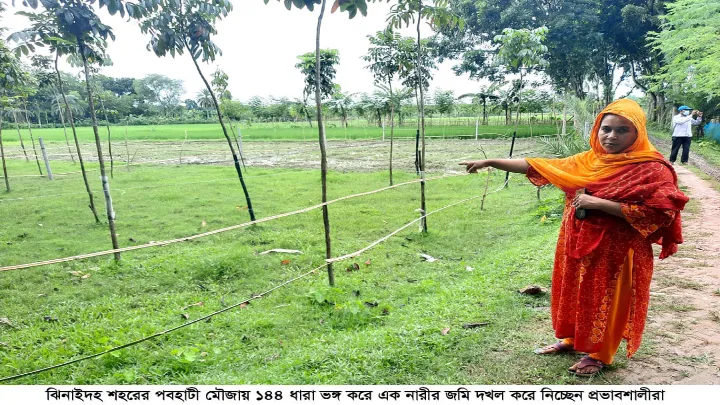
(683, 330)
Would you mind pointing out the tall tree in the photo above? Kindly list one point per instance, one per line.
(204, 99)
(352, 7)
(385, 61)
(690, 45)
(11, 76)
(444, 101)
(77, 23)
(341, 104)
(522, 51)
(587, 40)
(160, 90)
(177, 26)
(437, 14)
(485, 94)
(319, 71)
(329, 59)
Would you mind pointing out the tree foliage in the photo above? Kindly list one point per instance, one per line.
(160, 90)
(522, 50)
(587, 40)
(690, 44)
(329, 58)
(350, 6)
(176, 26)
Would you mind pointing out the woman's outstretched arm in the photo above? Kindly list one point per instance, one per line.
(508, 165)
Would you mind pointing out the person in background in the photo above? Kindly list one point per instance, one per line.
(621, 197)
(682, 132)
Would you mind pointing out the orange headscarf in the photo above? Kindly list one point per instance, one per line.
(578, 171)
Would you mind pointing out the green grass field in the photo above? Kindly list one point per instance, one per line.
(265, 132)
(381, 324)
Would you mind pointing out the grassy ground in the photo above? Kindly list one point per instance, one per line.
(381, 324)
(266, 132)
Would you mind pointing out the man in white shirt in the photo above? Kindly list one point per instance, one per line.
(682, 132)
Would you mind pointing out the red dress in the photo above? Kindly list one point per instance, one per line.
(591, 252)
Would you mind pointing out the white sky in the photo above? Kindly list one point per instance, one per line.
(260, 44)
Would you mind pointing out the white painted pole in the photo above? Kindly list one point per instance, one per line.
(47, 162)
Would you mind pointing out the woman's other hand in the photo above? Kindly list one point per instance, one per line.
(586, 201)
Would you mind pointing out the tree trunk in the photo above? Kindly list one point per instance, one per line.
(651, 106)
(32, 139)
(323, 152)
(103, 176)
(392, 128)
(107, 125)
(307, 113)
(239, 146)
(2, 155)
(423, 210)
(519, 101)
(61, 113)
(37, 114)
(485, 118)
(236, 160)
(22, 144)
(563, 130)
(663, 116)
(77, 143)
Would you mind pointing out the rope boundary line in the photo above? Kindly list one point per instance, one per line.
(239, 304)
(216, 231)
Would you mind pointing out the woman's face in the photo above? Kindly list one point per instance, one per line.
(616, 133)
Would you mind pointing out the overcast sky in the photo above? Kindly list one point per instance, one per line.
(260, 45)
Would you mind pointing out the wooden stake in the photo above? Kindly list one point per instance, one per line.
(512, 146)
(127, 150)
(61, 113)
(71, 120)
(2, 155)
(22, 144)
(45, 158)
(37, 160)
(183, 146)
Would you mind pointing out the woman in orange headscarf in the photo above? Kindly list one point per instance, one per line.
(621, 196)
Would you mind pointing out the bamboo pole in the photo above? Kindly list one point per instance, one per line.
(2, 155)
(45, 158)
(32, 139)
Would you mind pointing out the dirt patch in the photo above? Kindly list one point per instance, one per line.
(356, 156)
(683, 328)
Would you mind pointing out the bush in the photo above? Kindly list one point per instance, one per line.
(563, 146)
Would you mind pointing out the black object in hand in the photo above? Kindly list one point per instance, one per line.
(581, 213)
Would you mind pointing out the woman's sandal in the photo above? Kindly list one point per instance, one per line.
(555, 348)
(584, 363)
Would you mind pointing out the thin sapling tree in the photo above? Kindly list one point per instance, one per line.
(179, 26)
